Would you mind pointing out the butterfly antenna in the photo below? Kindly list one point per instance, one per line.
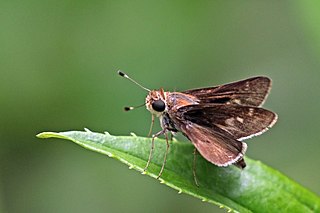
(133, 107)
(127, 77)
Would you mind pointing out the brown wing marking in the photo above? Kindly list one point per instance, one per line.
(241, 122)
(217, 148)
(248, 92)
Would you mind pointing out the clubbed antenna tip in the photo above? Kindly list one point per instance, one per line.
(127, 77)
(121, 73)
(128, 108)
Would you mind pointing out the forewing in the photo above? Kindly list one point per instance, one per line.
(240, 122)
(248, 92)
(217, 148)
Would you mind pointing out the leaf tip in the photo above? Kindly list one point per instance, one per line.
(39, 135)
(45, 134)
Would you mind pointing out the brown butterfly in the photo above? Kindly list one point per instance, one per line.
(215, 119)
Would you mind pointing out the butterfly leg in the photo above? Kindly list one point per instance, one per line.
(194, 166)
(171, 136)
(152, 147)
(165, 155)
(151, 126)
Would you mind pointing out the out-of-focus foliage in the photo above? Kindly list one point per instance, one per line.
(58, 72)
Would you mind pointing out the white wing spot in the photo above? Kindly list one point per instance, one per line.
(247, 86)
(230, 121)
(237, 101)
(240, 119)
(250, 113)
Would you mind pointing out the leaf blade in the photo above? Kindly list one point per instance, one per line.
(250, 190)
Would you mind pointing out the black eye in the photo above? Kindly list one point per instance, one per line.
(158, 106)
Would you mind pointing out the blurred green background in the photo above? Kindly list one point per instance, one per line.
(58, 62)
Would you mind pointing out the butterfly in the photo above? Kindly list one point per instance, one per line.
(215, 119)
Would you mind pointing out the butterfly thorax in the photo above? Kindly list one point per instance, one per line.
(165, 105)
(177, 100)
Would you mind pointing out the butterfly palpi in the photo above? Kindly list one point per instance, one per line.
(215, 119)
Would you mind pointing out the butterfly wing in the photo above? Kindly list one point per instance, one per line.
(216, 130)
(241, 122)
(249, 92)
(215, 146)
(215, 119)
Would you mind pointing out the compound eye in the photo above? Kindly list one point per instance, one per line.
(158, 106)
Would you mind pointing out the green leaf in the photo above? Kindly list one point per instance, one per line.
(257, 188)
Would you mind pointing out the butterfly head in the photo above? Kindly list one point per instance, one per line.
(156, 102)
